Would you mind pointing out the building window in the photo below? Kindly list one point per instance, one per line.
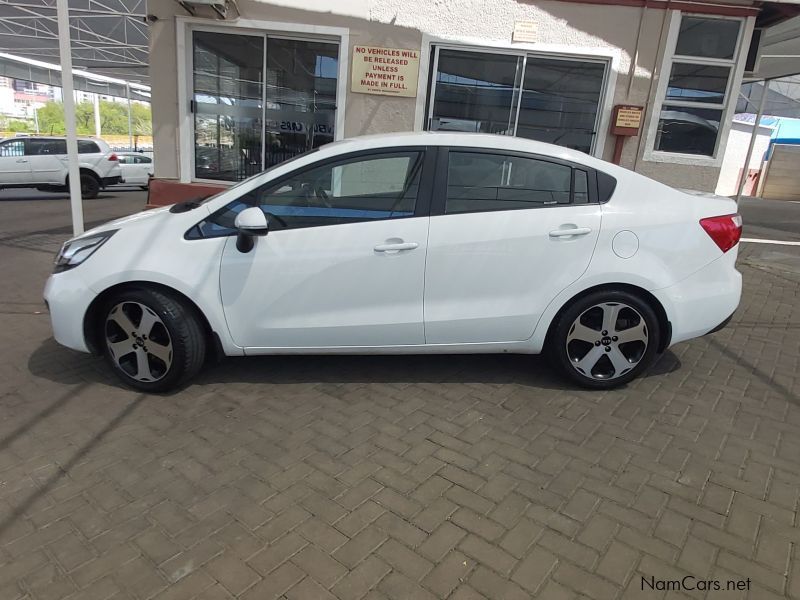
(551, 98)
(259, 100)
(700, 72)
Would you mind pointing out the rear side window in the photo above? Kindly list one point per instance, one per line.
(478, 182)
(38, 147)
(146, 160)
(88, 147)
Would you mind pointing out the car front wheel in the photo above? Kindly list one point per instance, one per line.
(605, 339)
(153, 341)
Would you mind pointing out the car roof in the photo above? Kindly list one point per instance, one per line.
(460, 139)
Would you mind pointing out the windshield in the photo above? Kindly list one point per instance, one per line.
(249, 179)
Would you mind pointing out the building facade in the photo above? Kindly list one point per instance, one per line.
(235, 95)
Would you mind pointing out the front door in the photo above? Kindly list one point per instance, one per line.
(14, 165)
(508, 233)
(343, 264)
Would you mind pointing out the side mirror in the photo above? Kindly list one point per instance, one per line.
(251, 222)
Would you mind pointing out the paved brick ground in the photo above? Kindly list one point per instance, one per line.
(398, 477)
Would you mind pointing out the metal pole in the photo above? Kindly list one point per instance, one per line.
(97, 114)
(36, 118)
(68, 98)
(130, 129)
(746, 168)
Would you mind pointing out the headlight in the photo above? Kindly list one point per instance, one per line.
(74, 252)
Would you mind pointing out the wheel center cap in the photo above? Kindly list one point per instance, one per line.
(605, 341)
(139, 340)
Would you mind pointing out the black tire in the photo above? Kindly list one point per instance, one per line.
(559, 354)
(182, 323)
(90, 186)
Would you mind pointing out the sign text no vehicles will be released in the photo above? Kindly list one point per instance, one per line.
(387, 71)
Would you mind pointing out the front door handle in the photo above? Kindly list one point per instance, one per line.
(396, 247)
(22, 160)
(556, 233)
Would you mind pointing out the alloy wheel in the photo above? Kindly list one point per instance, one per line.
(607, 340)
(138, 341)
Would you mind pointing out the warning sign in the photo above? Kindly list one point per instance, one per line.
(387, 71)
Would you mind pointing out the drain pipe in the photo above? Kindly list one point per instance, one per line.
(746, 167)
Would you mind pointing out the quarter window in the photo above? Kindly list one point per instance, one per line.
(350, 191)
(698, 88)
(479, 182)
(87, 147)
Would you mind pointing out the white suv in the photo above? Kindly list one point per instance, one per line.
(41, 163)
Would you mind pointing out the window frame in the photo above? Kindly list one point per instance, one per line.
(439, 198)
(421, 207)
(727, 106)
(186, 26)
(524, 52)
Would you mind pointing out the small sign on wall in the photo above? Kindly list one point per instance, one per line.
(627, 120)
(386, 71)
(524, 31)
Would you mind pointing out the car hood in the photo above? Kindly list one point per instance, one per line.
(148, 219)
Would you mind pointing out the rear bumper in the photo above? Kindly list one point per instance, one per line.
(703, 302)
(106, 181)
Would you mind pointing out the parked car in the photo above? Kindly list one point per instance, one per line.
(137, 169)
(407, 243)
(41, 163)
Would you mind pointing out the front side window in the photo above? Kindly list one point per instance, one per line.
(478, 182)
(349, 191)
(697, 94)
(12, 148)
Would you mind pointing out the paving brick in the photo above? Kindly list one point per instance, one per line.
(533, 570)
(448, 574)
(360, 580)
(617, 563)
(321, 567)
(277, 583)
(354, 551)
(232, 573)
(441, 541)
(277, 553)
(404, 560)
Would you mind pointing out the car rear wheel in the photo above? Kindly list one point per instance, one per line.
(605, 339)
(153, 341)
(90, 186)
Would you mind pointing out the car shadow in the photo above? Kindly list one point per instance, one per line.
(492, 369)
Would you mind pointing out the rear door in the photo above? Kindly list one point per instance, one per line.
(508, 232)
(47, 159)
(14, 165)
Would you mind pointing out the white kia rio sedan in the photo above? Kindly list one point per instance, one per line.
(407, 243)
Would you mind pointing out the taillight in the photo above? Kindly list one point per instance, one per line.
(113, 157)
(725, 230)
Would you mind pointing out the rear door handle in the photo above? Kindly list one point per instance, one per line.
(396, 247)
(570, 231)
(22, 160)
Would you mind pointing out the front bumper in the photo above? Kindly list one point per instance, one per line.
(703, 302)
(68, 298)
(116, 179)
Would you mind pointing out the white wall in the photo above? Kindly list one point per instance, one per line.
(735, 153)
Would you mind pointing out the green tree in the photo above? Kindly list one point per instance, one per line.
(17, 125)
(113, 118)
